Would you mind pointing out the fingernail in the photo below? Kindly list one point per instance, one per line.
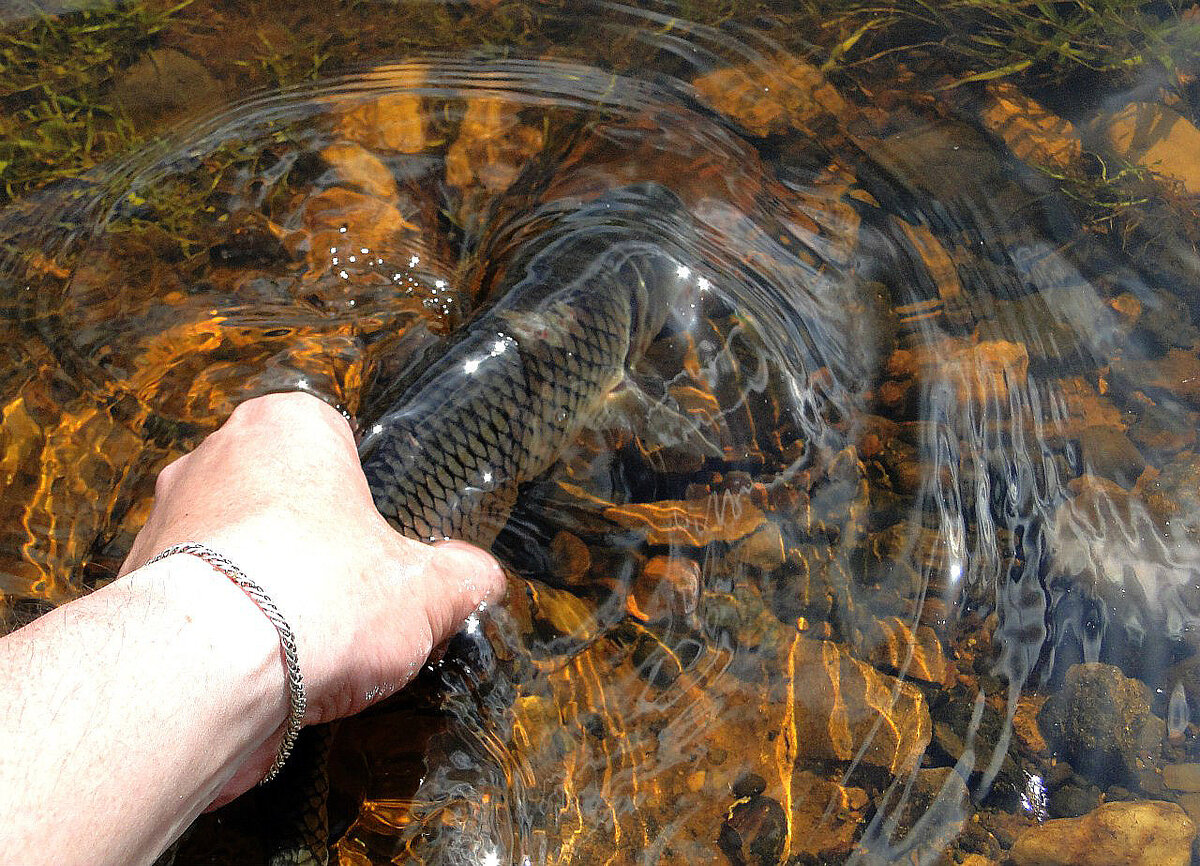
(474, 561)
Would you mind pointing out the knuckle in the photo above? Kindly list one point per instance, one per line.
(166, 477)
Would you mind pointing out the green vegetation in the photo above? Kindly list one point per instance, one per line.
(989, 39)
(56, 74)
(1143, 212)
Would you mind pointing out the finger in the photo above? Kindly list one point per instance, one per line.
(460, 577)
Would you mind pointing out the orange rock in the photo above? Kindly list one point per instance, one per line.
(936, 260)
(766, 100)
(827, 815)
(1025, 725)
(695, 522)
(916, 655)
(492, 145)
(1150, 833)
(984, 371)
(667, 586)
(1159, 139)
(1127, 306)
(1031, 132)
(1085, 407)
(393, 120)
(842, 708)
(342, 223)
(357, 167)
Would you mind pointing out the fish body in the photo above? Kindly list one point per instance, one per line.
(516, 384)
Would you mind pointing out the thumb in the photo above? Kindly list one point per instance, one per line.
(465, 577)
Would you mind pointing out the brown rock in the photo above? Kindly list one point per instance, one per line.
(891, 644)
(1150, 833)
(163, 85)
(1031, 132)
(829, 815)
(754, 832)
(1182, 777)
(984, 371)
(1191, 805)
(1177, 373)
(1163, 430)
(390, 121)
(1085, 407)
(1101, 721)
(1159, 139)
(842, 706)
(762, 550)
(668, 586)
(356, 167)
(693, 522)
(936, 259)
(492, 145)
(1107, 452)
(570, 557)
(791, 94)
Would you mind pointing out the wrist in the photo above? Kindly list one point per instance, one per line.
(170, 674)
(297, 699)
(228, 639)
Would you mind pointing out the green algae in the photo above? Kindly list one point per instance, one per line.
(57, 118)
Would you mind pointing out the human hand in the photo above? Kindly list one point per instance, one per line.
(279, 490)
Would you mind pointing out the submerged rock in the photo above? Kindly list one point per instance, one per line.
(492, 145)
(893, 645)
(1109, 453)
(770, 100)
(1101, 721)
(667, 587)
(1182, 777)
(1177, 374)
(829, 814)
(354, 166)
(1031, 132)
(163, 85)
(1151, 833)
(692, 522)
(341, 223)
(845, 709)
(983, 372)
(754, 832)
(393, 120)
(1160, 139)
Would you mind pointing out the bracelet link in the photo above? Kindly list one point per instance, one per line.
(298, 699)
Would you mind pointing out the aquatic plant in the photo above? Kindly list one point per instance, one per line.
(56, 76)
(991, 39)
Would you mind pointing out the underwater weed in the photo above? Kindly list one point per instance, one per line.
(990, 39)
(56, 75)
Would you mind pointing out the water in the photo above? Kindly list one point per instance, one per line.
(819, 582)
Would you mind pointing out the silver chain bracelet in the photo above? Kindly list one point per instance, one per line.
(297, 696)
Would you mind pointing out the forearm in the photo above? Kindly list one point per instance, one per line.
(124, 713)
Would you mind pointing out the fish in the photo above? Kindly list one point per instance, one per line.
(578, 305)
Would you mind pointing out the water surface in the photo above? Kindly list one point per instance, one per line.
(830, 577)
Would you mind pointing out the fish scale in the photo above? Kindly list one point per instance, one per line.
(516, 384)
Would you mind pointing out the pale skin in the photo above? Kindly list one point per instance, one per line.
(128, 712)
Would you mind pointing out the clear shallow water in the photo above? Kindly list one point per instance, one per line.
(918, 438)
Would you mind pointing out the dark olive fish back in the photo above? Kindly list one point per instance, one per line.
(520, 380)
